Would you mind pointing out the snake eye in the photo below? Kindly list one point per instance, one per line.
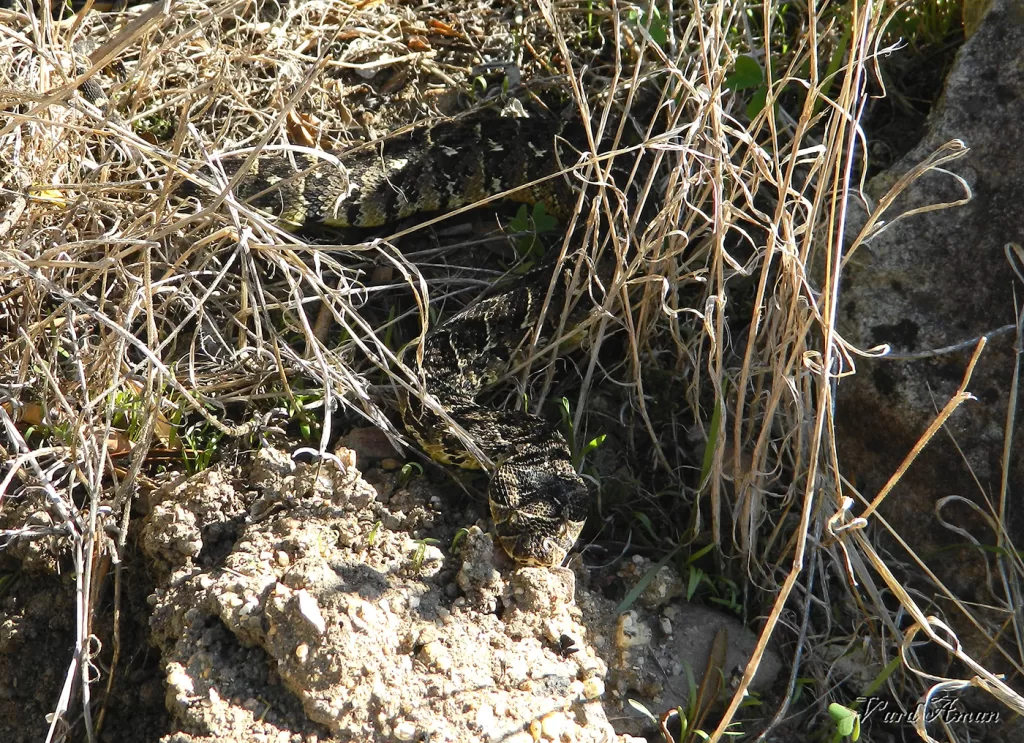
(555, 552)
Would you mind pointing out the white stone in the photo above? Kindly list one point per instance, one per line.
(310, 611)
(405, 731)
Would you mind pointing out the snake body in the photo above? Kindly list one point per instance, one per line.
(537, 500)
(433, 168)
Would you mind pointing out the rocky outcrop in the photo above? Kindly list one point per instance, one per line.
(315, 603)
(935, 280)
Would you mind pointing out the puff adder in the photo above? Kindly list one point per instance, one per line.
(537, 500)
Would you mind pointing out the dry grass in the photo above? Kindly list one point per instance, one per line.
(128, 311)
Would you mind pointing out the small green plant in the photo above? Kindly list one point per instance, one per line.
(6, 582)
(847, 722)
(592, 22)
(648, 526)
(709, 450)
(925, 23)
(529, 225)
(651, 19)
(309, 424)
(802, 683)
(408, 472)
(480, 84)
(421, 551)
(694, 578)
(129, 413)
(479, 88)
(458, 539)
(719, 589)
(200, 448)
(59, 431)
(155, 128)
(694, 575)
(746, 75)
(681, 718)
(371, 538)
(727, 595)
(578, 454)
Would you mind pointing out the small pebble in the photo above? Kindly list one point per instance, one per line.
(593, 687)
(555, 725)
(435, 655)
(405, 730)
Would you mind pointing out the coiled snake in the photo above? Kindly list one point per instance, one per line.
(537, 500)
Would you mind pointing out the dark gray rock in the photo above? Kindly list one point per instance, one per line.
(933, 280)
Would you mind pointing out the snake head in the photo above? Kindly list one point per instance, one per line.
(538, 511)
(538, 551)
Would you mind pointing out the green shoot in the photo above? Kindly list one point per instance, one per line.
(529, 225)
(847, 722)
(458, 539)
(421, 551)
(408, 472)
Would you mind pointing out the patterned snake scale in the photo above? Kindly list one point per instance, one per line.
(537, 500)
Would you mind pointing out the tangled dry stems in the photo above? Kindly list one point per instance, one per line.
(127, 309)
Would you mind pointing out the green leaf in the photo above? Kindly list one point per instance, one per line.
(832, 71)
(409, 471)
(645, 520)
(654, 24)
(371, 538)
(883, 676)
(594, 443)
(645, 581)
(847, 720)
(757, 102)
(642, 710)
(457, 540)
(521, 221)
(565, 411)
(694, 581)
(542, 221)
(700, 553)
(802, 683)
(709, 449)
(746, 73)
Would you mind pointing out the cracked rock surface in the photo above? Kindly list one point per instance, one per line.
(296, 599)
(276, 600)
